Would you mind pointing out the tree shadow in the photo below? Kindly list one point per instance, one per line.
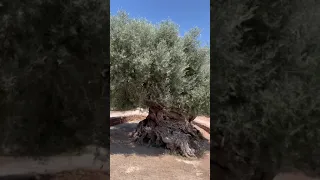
(121, 142)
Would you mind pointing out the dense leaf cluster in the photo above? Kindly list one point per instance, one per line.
(153, 62)
(51, 88)
(265, 101)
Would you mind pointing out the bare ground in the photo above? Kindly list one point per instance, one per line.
(294, 176)
(128, 161)
(68, 167)
(131, 161)
(142, 163)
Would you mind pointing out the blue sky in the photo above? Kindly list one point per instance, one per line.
(186, 13)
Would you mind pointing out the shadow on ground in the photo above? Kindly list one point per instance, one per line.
(121, 143)
(129, 160)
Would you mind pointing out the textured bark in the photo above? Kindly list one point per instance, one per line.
(170, 128)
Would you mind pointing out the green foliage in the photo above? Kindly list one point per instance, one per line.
(152, 62)
(266, 84)
(52, 53)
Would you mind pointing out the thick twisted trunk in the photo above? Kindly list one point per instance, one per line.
(171, 129)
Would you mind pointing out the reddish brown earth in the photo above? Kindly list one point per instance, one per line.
(77, 174)
(61, 167)
(127, 161)
(202, 123)
(120, 120)
(294, 176)
(80, 174)
(131, 161)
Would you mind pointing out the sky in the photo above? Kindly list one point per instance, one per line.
(186, 13)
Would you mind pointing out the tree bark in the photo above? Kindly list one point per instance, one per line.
(172, 129)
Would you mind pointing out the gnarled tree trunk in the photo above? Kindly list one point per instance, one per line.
(172, 129)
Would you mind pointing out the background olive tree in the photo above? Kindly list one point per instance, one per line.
(151, 61)
(265, 101)
(52, 93)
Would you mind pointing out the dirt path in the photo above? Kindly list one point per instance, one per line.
(293, 176)
(23, 165)
(202, 122)
(138, 111)
(134, 162)
(131, 161)
(69, 164)
(75, 174)
(128, 161)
